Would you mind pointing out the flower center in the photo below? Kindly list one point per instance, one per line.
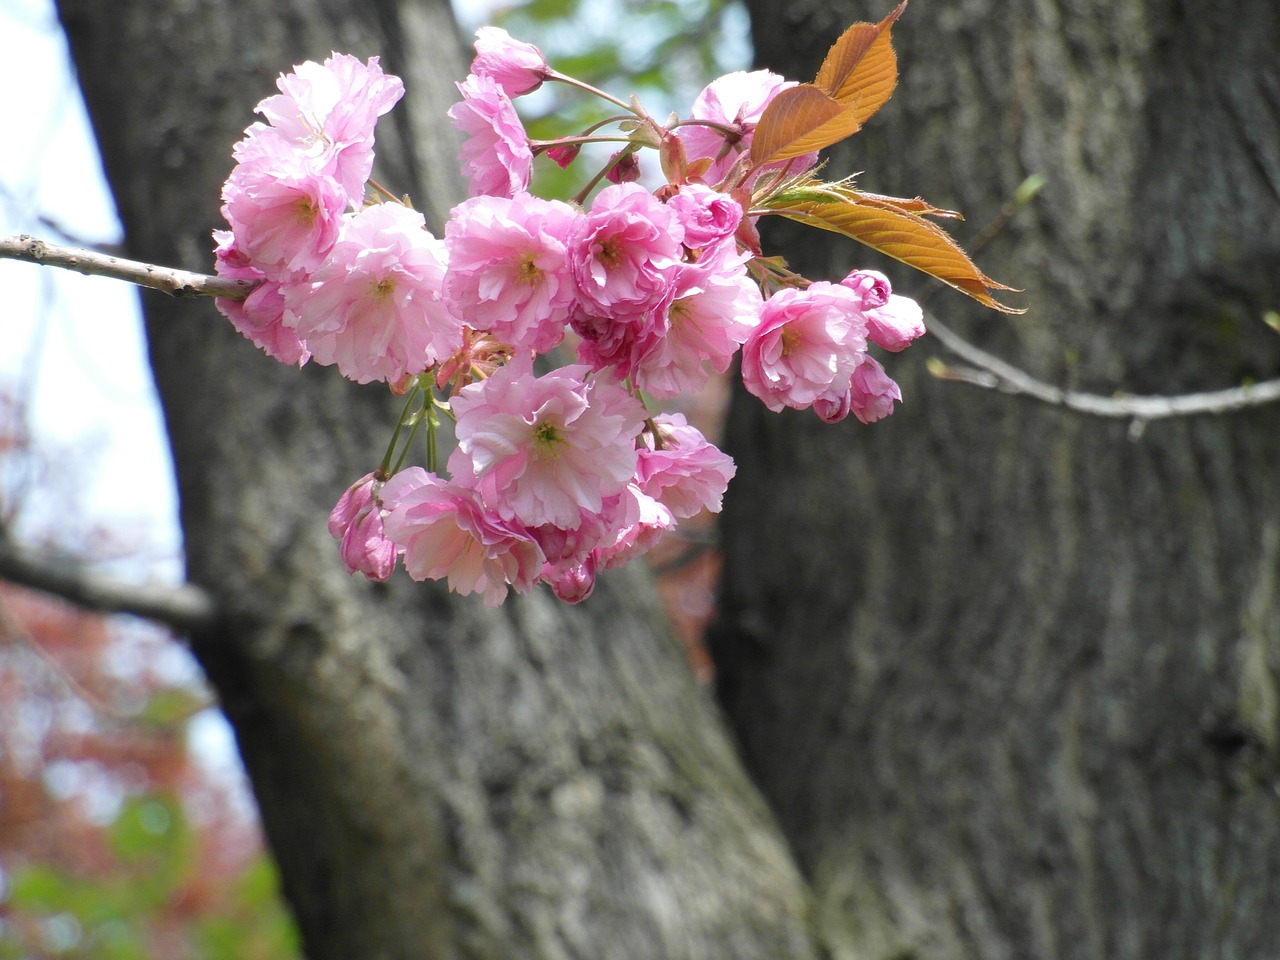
(547, 440)
(528, 272)
(790, 341)
(305, 211)
(609, 253)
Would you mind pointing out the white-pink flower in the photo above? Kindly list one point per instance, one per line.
(735, 101)
(446, 532)
(517, 67)
(686, 474)
(892, 321)
(546, 450)
(374, 308)
(507, 268)
(495, 155)
(806, 347)
(327, 112)
(356, 521)
(260, 316)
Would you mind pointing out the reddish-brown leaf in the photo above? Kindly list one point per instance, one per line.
(902, 235)
(861, 68)
(800, 120)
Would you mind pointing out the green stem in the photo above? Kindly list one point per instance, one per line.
(384, 469)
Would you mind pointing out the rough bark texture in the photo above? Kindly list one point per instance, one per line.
(437, 779)
(1010, 679)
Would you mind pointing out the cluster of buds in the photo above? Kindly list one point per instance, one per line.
(555, 475)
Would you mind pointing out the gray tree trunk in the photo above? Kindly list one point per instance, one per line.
(437, 779)
(1009, 680)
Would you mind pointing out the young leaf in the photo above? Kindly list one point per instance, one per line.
(861, 68)
(800, 120)
(914, 205)
(887, 225)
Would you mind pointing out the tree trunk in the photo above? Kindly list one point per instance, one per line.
(437, 779)
(1010, 679)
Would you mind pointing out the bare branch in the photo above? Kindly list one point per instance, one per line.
(184, 608)
(176, 283)
(992, 373)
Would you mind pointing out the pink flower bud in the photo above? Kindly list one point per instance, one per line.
(517, 67)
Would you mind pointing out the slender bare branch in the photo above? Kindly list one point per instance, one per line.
(184, 608)
(176, 283)
(992, 373)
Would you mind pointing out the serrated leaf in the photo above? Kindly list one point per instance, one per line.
(913, 205)
(901, 234)
(861, 68)
(800, 120)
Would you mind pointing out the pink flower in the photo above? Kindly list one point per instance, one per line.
(356, 521)
(374, 307)
(328, 112)
(284, 213)
(871, 392)
(572, 584)
(447, 533)
(737, 101)
(892, 321)
(707, 215)
(495, 156)
(640, 522)
(687, 474)
(546, 450)
(517, 67)
(624, 254)
(714, 308)
(564, 155)
(624, 167)
(507, 271)
(259, 317)
(806, 347)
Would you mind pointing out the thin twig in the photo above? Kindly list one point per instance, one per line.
(992, 373)
(176, 283)
(184, 608)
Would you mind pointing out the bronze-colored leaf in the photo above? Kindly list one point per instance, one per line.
(800, 120)
(861, 68)
(904, 236)
(914, 205)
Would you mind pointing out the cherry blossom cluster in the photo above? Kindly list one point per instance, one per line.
(560, 474)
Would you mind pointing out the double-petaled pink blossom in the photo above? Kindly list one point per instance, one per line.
(496, 156)
(374, 307)
(892, 321)
(327, 112)
(517, 67)
(447, 532)
(507, 268)
(546, 450)
(686, 474)
(356, 521)
(806, 347)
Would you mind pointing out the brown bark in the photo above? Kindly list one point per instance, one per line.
(437, 779)
(1010, 678)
